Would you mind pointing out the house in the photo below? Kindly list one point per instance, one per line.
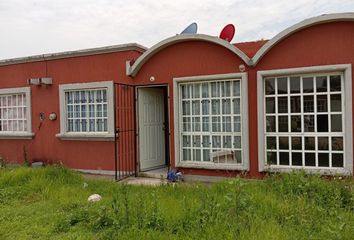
(193, 102)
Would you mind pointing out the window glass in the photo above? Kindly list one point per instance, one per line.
(215, 89)
(271, 158)
(205, 90)
(226, 88)
(336, 123)
(205, 107)
(270, 105)
(310, 159)
(296, 123)
(296, 143)
(337, 143)
(282, 85)
(270, 86)
(271, 142)
(336, 103)
(308, 104)
(321, 84)
(283, 124)
(283, 143)
(322, 103)
(236, 105)
(322, 143)
(236, 88)
(284, 158)
(295, 104)
(323, 159)
(237, 142)
(307, 83)
(322, 123)
(337, 160)
(294, 84)
(310, 143)
(335, 83)
(309, 123)
(196, 90)
(282, 105)
(296, 158)
(270, 123)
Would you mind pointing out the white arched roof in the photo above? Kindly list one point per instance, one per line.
(133, 70)
(297, 27)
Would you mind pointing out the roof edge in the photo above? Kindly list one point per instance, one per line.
(75, 53)
(134, 69)
(325, 18)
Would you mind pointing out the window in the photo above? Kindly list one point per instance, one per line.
(211, 118)
(304, 121)
(87, 110)
(15, 113)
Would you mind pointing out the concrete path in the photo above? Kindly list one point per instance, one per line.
(130, 180)
(144, 181)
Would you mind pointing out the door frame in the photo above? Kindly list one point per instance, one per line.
(166, 103)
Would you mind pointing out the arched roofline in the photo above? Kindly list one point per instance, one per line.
(335, 17)
(132, 70)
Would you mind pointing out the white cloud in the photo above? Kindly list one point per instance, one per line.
(39, 26)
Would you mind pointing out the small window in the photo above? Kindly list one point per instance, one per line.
(86, 110)
(15, 112)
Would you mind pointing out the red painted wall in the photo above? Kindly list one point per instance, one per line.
(45, 145)
(324, 44)
(187, 59)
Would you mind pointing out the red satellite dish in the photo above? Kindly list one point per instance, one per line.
(228, 32)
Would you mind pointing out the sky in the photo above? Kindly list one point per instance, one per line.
(30, 27)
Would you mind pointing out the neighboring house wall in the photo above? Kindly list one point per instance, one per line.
(45, 146)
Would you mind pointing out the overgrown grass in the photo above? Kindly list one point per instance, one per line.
(51, 203)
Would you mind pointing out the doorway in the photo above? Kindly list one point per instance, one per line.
(153, 127)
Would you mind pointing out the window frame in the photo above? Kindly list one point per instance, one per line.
(346, 72)
(20, 134)
(244, 121)
(89, 136)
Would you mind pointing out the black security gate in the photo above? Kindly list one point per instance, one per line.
(124, 125)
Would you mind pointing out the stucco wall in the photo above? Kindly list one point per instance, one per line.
(323, 44)
(45, 145)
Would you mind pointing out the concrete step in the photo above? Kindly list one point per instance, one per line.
(158, 173)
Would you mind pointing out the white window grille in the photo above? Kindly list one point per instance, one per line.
(304, 121)
(210, 125)
(15, 113)
(86, 110)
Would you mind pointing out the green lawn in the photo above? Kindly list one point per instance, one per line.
(51, 203)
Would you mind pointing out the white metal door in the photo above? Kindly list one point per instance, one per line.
(151, 128)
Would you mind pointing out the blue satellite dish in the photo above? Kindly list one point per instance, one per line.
(191, 29)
